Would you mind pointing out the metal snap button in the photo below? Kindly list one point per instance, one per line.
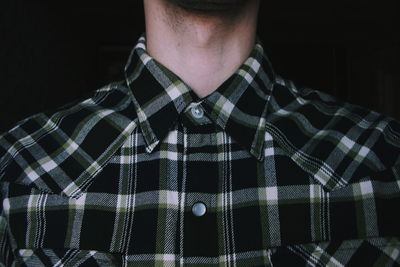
(199, 209)
(197, 112)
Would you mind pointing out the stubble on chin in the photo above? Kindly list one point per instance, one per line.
(224, 9)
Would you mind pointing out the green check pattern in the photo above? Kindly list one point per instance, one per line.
(289, 176)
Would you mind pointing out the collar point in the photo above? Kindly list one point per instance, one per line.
(257, 153)
(260, 157)
(150, 147)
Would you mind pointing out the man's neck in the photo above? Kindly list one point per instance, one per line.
(202, 50)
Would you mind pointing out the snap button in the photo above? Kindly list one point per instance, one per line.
(199, 209)
(197, 112)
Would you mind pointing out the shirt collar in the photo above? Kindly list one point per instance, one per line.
(238, 106)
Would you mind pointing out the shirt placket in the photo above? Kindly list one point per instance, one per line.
(200, 229)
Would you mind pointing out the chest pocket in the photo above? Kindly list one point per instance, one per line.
(101, 219)
(66, 257)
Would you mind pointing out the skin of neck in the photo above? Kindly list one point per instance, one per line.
(203, 50)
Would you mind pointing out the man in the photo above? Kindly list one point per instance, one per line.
(203, 156)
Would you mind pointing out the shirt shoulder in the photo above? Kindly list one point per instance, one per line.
(336, 141)
(68, 144)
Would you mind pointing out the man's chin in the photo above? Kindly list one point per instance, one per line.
(209, 6)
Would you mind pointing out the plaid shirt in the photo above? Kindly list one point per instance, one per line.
(142, 172)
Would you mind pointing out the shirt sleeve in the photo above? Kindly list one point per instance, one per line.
(6, 255)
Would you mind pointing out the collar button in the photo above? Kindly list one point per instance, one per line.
(197, 112)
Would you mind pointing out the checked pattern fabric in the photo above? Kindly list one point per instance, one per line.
(289, 176)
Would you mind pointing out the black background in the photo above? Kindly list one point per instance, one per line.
(53, 52)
